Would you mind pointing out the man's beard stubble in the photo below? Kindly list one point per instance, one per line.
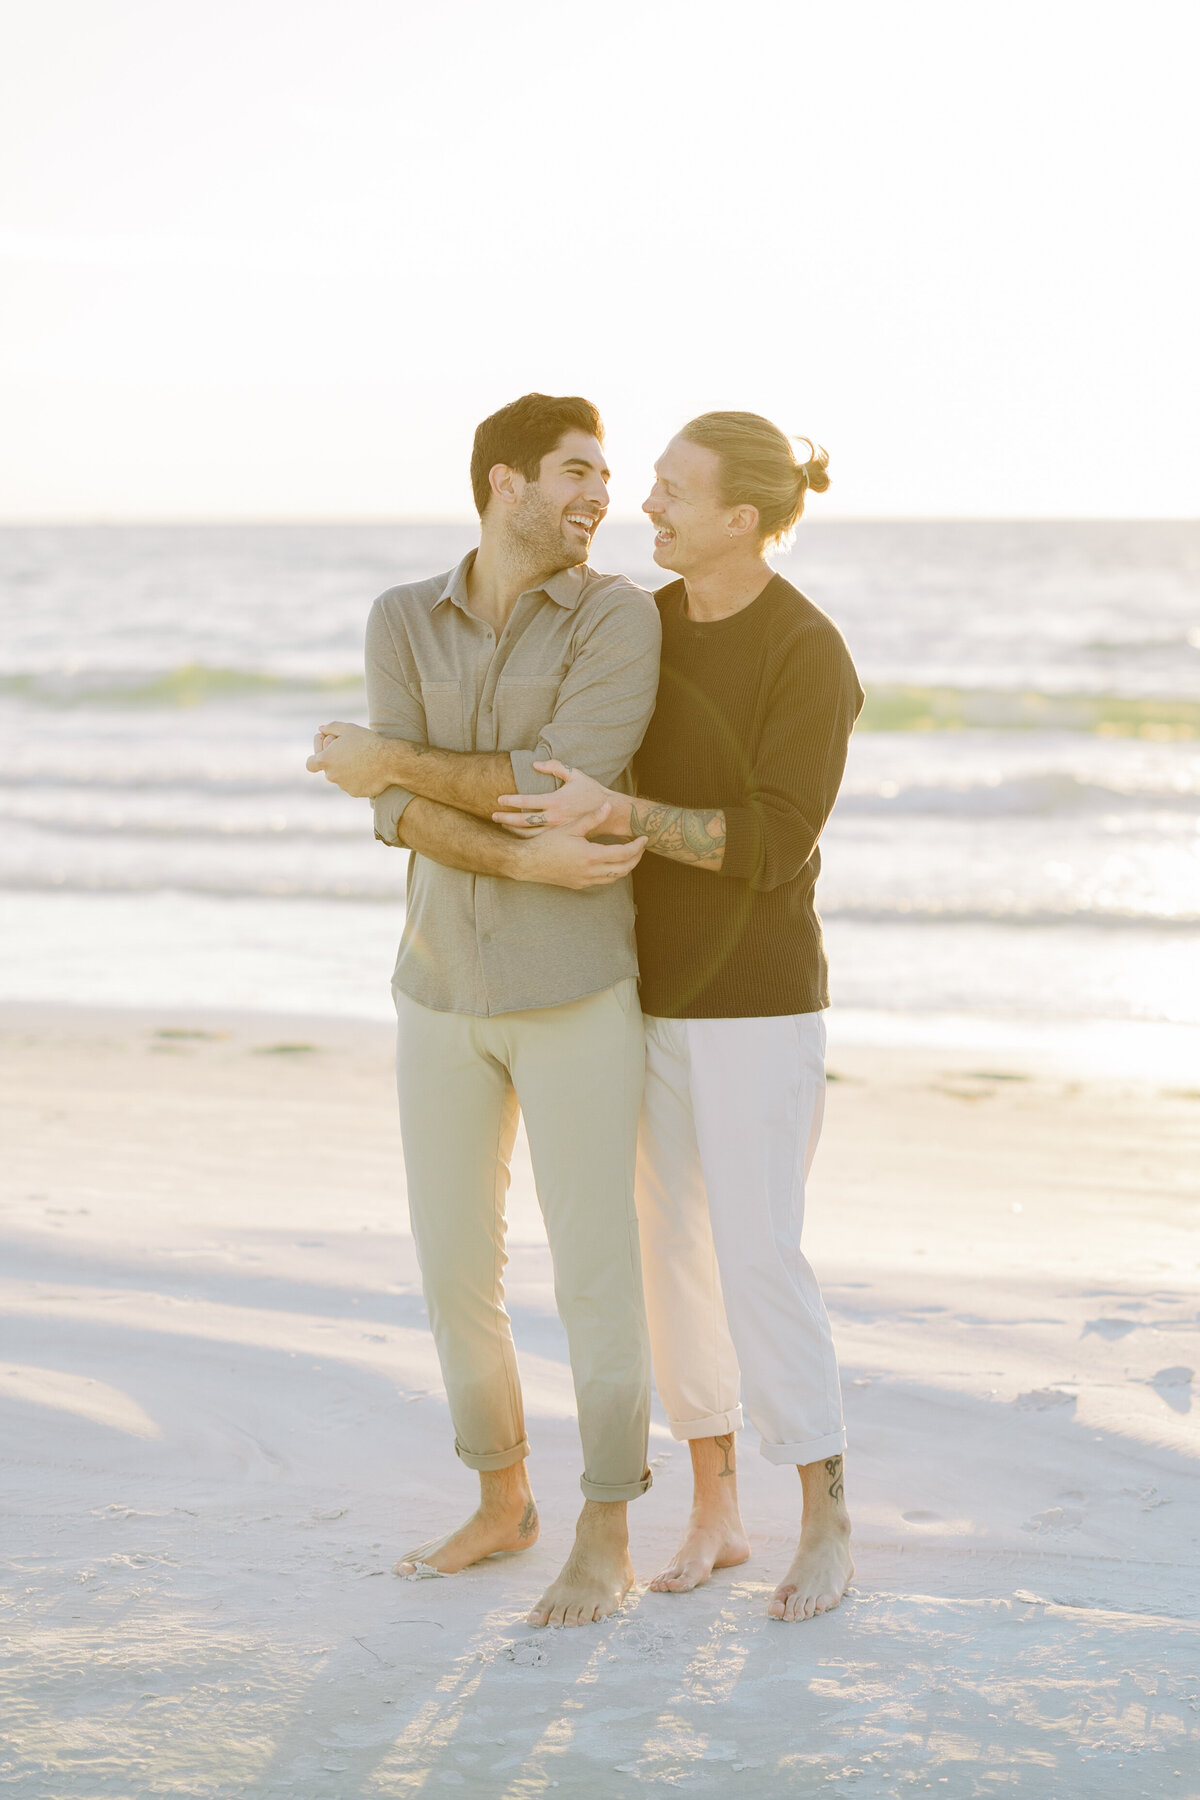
(536, 531)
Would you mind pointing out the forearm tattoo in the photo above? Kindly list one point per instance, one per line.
(833, 1468)
(725, 1446)
(686, 834)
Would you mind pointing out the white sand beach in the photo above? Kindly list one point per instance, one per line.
(223, 1421)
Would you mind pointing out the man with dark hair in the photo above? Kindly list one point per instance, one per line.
(516, 980)
(525, 431)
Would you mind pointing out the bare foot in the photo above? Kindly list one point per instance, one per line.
(507, 1522)
(821, 1572)
(714, 1539)
(596, 1576)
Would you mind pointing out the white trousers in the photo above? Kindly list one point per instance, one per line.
(730, 1121)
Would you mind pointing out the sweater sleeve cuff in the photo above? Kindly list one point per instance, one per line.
(388, 809)
(743, 843)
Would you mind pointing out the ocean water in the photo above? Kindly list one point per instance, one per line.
(1017, 841)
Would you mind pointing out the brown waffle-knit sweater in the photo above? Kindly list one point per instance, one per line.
(754, 715)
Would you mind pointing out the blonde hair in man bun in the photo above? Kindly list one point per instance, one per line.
(759, 468)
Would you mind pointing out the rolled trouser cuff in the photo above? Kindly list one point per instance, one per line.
(716, 1425)
(815, 1450)
(629, 1490)
(495, 1459)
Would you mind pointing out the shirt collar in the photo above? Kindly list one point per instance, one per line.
(565, 587)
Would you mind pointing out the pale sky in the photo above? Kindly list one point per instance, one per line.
(276, 258)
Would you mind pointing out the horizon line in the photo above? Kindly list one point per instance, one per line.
(84, 521)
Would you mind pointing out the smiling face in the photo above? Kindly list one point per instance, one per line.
(555, 517)
(692, 521)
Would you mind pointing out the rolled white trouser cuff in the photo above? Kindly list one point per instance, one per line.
(803, 1454)
(717, 1425)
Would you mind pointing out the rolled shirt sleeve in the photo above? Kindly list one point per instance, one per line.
(605, 699)
(394, 709)
(798, 764)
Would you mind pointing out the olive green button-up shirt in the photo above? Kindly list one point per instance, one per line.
(571, 677)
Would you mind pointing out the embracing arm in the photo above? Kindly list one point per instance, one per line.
(768, 836)
(690, 834)
(455, 839)
(364, 763)
(563, 858)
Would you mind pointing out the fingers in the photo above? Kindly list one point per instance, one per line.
(522, 802)
(557, 769)
(612, 862)
(315, 763)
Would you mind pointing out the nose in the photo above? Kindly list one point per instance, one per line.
(597, 490)
(652, 503)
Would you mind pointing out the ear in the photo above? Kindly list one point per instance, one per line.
(743, 522)
(506, 484)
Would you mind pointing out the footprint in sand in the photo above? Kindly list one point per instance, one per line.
(1043, 1400)
(641, 1638)
(1110, 1328)
(1055, 1518)
(921, 1518)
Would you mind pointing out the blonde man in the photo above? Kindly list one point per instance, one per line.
(756, 702)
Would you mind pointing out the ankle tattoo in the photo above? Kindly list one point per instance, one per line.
(529, 1519)
(833, 1468)
(725, 1446)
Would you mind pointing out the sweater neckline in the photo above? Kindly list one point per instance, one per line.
(707, 627)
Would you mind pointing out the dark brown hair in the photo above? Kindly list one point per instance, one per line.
(524, 431)
(759, 468)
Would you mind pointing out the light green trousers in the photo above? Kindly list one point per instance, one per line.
(575, 1072)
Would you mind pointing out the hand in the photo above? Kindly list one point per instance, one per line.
(526, 814)
(563, 857)
(353, 758)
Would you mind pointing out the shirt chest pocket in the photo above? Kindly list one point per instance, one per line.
(524, 707)
(445, 723)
